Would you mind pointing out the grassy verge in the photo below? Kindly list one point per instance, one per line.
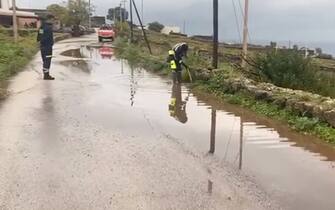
(302, 124)
(14, 56)
(138, 56)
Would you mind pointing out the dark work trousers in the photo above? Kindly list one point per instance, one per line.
(46, 53)
(176, 76)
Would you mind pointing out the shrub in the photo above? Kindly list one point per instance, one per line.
(156, 26)
(290, 69)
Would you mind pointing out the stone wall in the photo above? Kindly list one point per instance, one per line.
(305, 103)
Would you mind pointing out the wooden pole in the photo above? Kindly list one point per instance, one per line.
(131, 22)
(15, 27)
(89, 14)
(142, 10)
(245, 34)
(121, 18)
(213, 132)
(144, 34)
(215, 33)
(241, 145)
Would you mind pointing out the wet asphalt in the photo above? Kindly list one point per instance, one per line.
(105, 135)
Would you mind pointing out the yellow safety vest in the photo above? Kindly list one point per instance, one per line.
(173, 64)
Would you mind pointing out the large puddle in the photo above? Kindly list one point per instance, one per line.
(296, 170)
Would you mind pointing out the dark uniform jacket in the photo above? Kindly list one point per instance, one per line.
(45, 35)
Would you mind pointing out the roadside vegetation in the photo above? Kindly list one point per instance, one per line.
(213, 81)
(290, 69)
(74, 13)
(156, 26)
(298, 122)
(13, 57)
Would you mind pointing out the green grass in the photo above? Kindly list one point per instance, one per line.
(13, 57)
(302, 124)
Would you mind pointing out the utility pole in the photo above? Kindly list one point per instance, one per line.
(142, 10)
(215, 33)
(245, 34)
(114, 17)
(121, 19)
(89, 14)
(240, 164)
(131, 22)
(213, 132)
(144, 33)
(15, 27)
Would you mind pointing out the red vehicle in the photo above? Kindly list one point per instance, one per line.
(106, 33)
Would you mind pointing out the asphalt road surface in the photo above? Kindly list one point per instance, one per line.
(105, 135)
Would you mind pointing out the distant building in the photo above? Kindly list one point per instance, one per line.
(24, 19)
(39, 12)
(98, 21)
(168, 29)
(42, 13)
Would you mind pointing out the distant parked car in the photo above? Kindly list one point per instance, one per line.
(76, 31)
(106, 32)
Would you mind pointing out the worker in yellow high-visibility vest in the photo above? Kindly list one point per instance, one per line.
(175, 60)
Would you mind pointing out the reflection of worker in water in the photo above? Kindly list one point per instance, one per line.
(177, 106)
(46, 40)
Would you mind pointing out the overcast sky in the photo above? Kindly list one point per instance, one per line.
(279, 20)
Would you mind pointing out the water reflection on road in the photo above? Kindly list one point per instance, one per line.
(295, 169)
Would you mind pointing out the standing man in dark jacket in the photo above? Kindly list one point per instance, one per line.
(46, 40)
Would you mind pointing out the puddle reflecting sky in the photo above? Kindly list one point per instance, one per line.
(295, 169)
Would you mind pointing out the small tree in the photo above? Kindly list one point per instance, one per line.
(78, 12)
(287, 69)
(156, 26)
(60, 12)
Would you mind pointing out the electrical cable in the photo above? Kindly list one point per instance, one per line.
(237, 22)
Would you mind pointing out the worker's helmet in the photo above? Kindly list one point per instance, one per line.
(181, 48)
(171, 52)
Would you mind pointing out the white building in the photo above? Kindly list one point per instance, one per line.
(169, 29)
(24, 18)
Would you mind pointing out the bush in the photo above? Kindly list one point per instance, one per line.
(156, 26)
(290, 69)
(122, 28)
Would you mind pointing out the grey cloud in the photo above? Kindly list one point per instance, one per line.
(269, 19)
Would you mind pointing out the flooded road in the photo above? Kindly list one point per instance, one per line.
(105, 135)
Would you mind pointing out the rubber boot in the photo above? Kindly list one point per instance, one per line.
(48, 77)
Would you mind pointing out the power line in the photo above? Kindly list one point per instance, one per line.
(144, 33)
(142, 10)
(237, 22)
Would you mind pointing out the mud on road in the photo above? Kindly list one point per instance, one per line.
(107, 136)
